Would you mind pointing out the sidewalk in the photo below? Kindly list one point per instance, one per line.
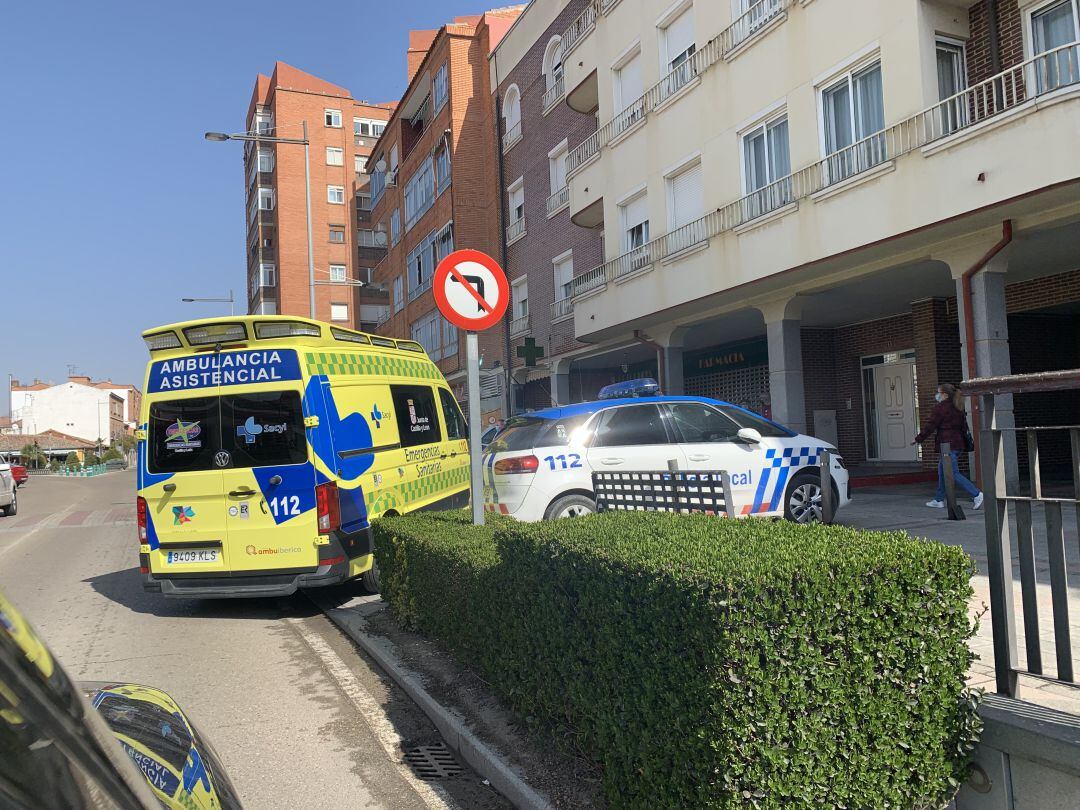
(904, 508)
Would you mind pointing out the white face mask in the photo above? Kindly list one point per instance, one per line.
(940, 397)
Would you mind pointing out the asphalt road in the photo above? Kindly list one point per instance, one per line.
(299, 717)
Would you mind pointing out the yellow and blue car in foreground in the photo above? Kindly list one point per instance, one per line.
(267, 444)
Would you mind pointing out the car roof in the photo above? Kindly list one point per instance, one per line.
(586, 408)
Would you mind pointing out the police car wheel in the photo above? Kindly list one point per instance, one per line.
(803, 501)
(570, 506)
(369, 580)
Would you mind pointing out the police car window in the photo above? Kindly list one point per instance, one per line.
(697, 423)
(527, 432)
(631, 425)
(456, 428)
(745, 419)
(417, 419)
(182, 435)
(264, 429)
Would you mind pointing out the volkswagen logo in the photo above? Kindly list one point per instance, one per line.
(222, 458)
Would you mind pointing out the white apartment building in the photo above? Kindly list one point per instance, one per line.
(77, 407)
(790, 192)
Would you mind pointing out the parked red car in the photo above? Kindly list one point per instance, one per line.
(19, 473)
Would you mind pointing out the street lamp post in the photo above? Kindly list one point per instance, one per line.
(230, 301)
(257, 139)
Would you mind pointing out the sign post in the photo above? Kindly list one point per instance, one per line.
(472, 293)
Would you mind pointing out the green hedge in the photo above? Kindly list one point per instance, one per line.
(706, 662)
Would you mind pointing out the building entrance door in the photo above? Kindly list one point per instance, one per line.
(892, 417)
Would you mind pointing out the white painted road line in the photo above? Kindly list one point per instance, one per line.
(374, 715)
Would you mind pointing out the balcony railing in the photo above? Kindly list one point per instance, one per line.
(1008, 90)
(553, 94)
(416, 292)
(559, 199)
(519, 326)
(561, 308)
(384, 316)
(512, 136)
(581, 26)
(515, 230)
(712, 52)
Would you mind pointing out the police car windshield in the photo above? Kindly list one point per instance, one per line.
(745, 419)
(256, 430)
(527, 432)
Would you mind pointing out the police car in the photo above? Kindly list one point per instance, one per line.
(540, 465)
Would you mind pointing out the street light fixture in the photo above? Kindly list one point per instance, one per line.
(257, 139)
(230, 300)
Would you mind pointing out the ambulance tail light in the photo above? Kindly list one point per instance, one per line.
(518, 465)
(328, 507)
(140, 511)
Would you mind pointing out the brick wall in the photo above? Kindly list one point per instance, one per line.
(1009, 34)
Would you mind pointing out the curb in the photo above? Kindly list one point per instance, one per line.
(459, 739)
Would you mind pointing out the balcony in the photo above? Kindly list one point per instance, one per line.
(976, 110)
(558, 201)
(512, 136)
(515, 230)
(520, 326)
(562, 308)
(553, 95)
(754, 21)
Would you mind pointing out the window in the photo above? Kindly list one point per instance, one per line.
(266, 199)
(359, 164)
(282, 439)
(628, 86)
(419, 193)
(264, 124)
(399, 293)
(635, 223)
(564, 276)
(686, 196)
(553, 65)
(1053, 26)
(456, 427)
(678, 42)
(395, 226)
(337, 273)
(337, 234)
(420, 268)
(378, 184)
(512, 114)
(363, 202)
(335, 156)
(335, 195)
(450, 339)
(745, 419)
(394, 158)
(516, 196)
(426, 332)
(853, 110)
(444, 242)
(519, 295)
(631, 425)
(557, 167)
(696, 423)
(378, 127)
(365, 238)
(361, 128)
(169, 451)
(332, 118)
(442, 169)
(441, 87)
(339, 312)
(266, 160)
(417, 419)
(952, 79)
(267, 274)
(766, 160)
(365, 274)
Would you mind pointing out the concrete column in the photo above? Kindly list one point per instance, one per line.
(560, 383)
(783, 329)
(672, 383)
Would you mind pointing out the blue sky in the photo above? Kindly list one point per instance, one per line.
(112, 206)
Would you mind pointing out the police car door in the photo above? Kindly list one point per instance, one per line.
(710, 443)
(633, 438)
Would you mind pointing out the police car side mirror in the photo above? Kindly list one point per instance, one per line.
(749, 435)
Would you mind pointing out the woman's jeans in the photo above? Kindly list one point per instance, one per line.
(961, 481)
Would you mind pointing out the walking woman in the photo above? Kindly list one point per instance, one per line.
(948, 424)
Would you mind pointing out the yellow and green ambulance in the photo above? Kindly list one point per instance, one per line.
(268, 443)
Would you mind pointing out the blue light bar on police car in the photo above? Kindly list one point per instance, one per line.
(644, 387)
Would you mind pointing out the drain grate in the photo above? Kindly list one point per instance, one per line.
(432, 761)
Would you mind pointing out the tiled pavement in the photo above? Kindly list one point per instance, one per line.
(71, 518)
(903, 507)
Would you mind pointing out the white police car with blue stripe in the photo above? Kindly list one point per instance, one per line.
(540, 465)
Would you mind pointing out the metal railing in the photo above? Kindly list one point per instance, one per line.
(553, 94)
(416, 292)
(519, 326)
(384, 316)
(515, 230)
(581, 26)
(1006, 91)
(712, 52)
(559, 199)
(512, 136)
(1000, 479)
(561, 308)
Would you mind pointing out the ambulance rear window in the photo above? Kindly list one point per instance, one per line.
(183, 434)
(527, 432)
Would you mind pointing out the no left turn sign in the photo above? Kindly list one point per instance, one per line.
(471, 290)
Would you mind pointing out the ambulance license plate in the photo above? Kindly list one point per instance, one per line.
(186, 556)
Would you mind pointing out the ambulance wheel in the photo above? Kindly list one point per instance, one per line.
(802, 501)
(13, 507)
(570, 506)
(369, 580)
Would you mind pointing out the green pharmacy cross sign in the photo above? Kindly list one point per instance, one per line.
(530, 352)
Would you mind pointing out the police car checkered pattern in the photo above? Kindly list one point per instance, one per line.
(792, 456)
(779, 466)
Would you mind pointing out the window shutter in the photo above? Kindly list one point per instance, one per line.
(688, 197)
(636, 212)
(679, 35)
(630, 87)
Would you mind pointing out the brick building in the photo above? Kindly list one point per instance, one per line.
(789, 194)
(537, 131)
(434, 188)
(341, 132)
